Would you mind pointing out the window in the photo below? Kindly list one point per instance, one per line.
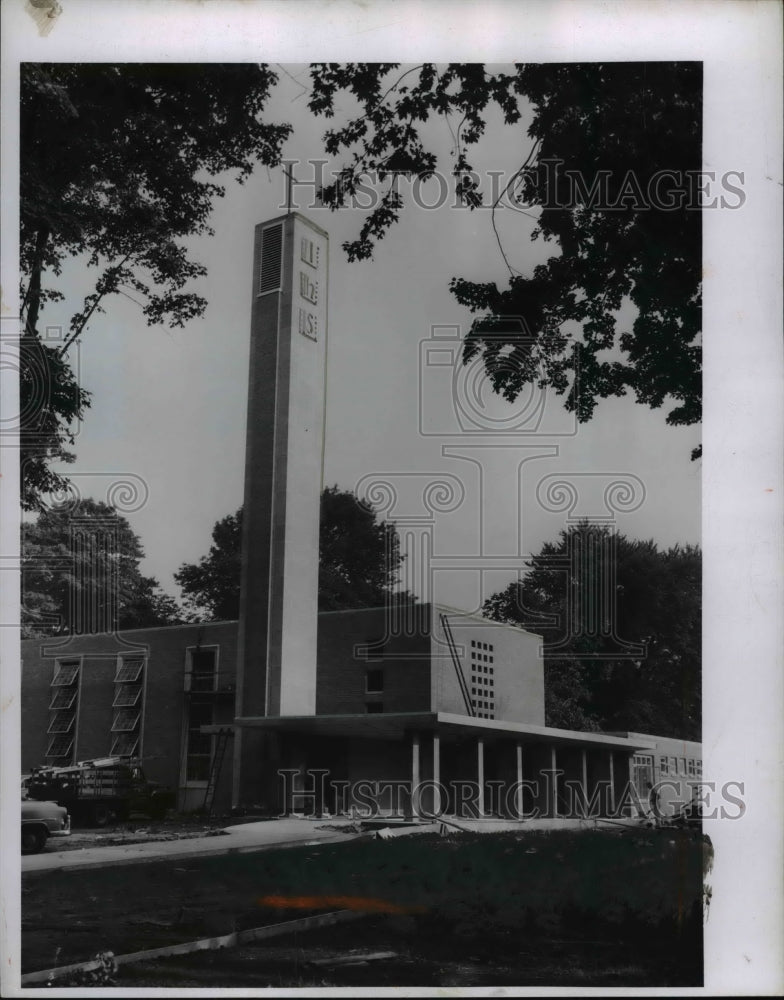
(64, 698)
(199, 748)
(62, 709)
(202, 672)
(374, 681)
(66, 673)
(61, 722)
(682, 765)
(60, 746)
(125, 721)
(691, 767)
(125, 745)
(698, 768)
(374, 707)
(128, 670)
(663, 769)
(127, 696)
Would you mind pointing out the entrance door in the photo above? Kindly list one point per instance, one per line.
(642, 778)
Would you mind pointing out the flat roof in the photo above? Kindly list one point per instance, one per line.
(399, 725)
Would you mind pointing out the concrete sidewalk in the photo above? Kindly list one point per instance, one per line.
(245, 837)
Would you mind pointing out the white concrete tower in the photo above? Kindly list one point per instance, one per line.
(276, 655)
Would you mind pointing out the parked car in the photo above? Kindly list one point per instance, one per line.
(40, 821)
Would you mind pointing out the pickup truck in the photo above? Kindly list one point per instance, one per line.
(41, 820)
(101, 790)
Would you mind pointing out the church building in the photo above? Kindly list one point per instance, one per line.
(412, 709)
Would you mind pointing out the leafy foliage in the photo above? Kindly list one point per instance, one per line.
(119, 162)
(51, 400)
(602, 134)
(359, 561)
(80, 573)
(211, 587)
(120, 165)
(594, 678)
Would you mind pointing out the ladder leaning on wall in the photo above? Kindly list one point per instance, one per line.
(221, 742)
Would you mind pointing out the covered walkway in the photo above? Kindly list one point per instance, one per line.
(431, 764)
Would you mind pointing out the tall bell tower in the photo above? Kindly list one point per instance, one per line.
(276, 656)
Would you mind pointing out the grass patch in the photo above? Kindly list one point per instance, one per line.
(574, 890)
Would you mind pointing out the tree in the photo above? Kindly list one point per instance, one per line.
(211, 587)
(621, 622)
(359, 561)
(613, 170)
(119, 164)
(359, 556)
(138, 148)
(80, 573)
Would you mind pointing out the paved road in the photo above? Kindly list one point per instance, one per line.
(235, 839)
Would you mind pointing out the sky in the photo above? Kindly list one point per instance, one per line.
(168, 406)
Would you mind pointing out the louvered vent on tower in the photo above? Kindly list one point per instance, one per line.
(271, 261)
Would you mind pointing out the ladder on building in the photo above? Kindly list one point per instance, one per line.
(221, 742)
(458, 666)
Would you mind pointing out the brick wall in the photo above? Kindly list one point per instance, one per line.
(164, 702)
(343, 666)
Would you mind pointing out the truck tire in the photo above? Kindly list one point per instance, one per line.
(33, 839)
(101, 814)
(157, 808)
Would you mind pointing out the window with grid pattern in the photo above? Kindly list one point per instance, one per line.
(62, 722)
(65, 674)
(125, 746)
(128, 670)
(125, 721)
(127, 696)
(63, 698)
(60, 746)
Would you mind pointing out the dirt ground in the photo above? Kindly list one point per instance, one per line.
(561, 909)
(139, 829)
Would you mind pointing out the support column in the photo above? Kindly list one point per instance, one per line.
(584, 779)
(480, 773)
(612, 784)
(415, 771)
(437, 804)
(519, 760)
(554, 784)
